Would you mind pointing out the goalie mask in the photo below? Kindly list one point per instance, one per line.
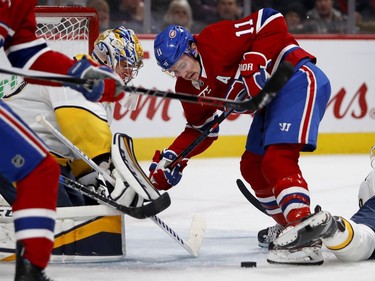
(121, 50)
(171, 44)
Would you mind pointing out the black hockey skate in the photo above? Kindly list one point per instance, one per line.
(268, 235)
(318, 225)
(25, 270)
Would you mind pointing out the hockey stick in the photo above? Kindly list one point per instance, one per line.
(46, 76)
(275, 83)
(251, 198)
(198, 225)
(200, 138)
(280, 77)
(196, 233)
(140, 212)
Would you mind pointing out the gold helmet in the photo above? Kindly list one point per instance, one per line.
(120, 49)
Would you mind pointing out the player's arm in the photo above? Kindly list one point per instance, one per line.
(25, 50)
(199, 118)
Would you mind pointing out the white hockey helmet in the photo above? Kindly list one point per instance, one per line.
(120, 49)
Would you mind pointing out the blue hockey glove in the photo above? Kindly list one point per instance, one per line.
(162, 177)
(107, 85)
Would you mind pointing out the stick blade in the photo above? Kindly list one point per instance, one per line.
(150, 208)
(196, 234)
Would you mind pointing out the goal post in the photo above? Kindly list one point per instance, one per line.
(71, 30)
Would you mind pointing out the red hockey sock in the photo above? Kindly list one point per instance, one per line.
(280, 168)
(38, 191)
(293, 197)
(251, 171)
(38, 251)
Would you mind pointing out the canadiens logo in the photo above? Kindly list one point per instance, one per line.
(172, 34)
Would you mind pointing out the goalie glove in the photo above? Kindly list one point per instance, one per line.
(106, 86)
(95, 180)
(253, 69)
(120, 192)
(162, 177)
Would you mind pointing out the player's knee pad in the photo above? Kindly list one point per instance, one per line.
(366, 189)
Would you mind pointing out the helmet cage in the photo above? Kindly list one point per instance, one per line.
(116, 46)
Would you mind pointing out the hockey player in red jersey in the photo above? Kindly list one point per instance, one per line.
(221, 61)
(24, 158)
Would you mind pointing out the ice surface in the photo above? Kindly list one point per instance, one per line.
(208, 188)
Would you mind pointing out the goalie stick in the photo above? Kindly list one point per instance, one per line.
(198, 224)
(43, 121)
(280, 77)
(140, 212)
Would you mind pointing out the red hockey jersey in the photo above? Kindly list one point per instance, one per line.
(221, 47)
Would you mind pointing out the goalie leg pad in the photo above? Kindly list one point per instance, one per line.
(125, 195)
(125, 162)
(82, 234)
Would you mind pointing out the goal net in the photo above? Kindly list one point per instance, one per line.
(70, 30)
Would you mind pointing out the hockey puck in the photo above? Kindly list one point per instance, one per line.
(248, 264)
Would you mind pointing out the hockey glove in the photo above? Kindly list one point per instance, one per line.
(162, 177)
(120, 192)
(96, 181)
(253, 71)
(106, 86)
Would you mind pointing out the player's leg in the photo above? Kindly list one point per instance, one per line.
(68, 197)
(291, 125)
(251, 170)
(293, 120)
(26, 161)
(280, 168)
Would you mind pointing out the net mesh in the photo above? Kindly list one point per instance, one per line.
(64, 28)
(69, 30)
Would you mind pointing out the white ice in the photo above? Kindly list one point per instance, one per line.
(208, 188)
